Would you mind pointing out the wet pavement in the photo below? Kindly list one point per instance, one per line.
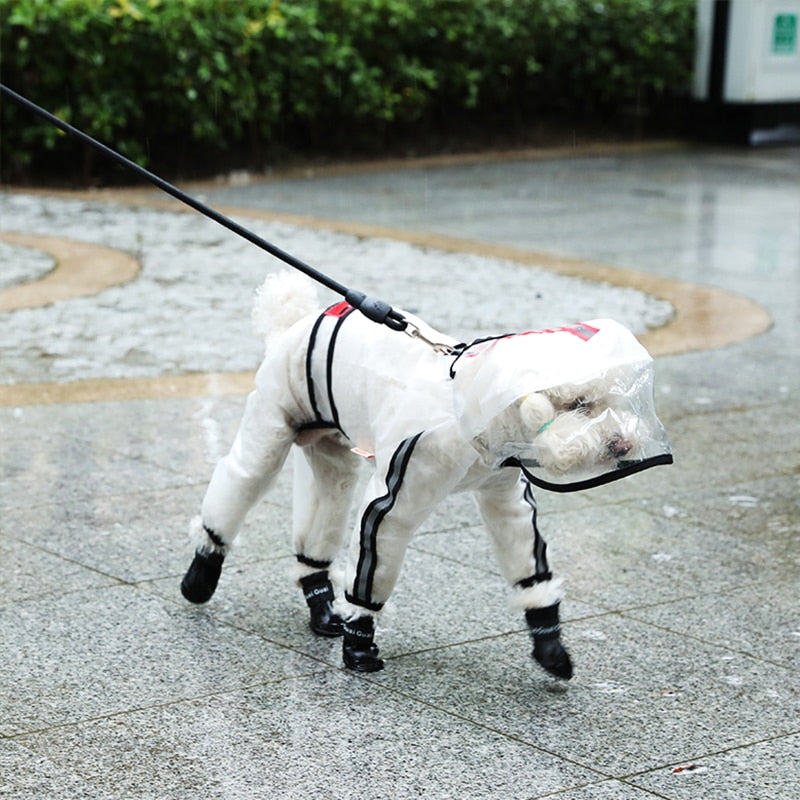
(118, 392)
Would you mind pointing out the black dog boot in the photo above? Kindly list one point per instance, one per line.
(359, 651)
(202, 576)
(318, 591)
(545, 630)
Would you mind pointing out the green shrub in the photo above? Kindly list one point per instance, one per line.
(240, 79)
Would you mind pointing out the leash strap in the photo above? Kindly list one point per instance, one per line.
(375, 310)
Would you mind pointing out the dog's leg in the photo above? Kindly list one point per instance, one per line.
(406, 487)
(324, 481)
(200, 581)
(359, 651)
(545, 630)
(509, 511)
(363, 600)
(239, 480)
(377, 549)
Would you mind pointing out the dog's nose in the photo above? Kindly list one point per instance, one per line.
(619, 447)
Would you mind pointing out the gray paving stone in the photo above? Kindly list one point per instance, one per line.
(29, 572)
(333, 735)
(26, 775)
(761, 621)
(642, 697)
(102, 652)
(764, 769)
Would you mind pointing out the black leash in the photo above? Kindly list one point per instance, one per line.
(376, 310)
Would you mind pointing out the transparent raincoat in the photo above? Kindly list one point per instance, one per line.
(595, 378)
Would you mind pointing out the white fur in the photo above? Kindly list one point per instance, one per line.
(540, 595)
(199, 538)
(573, 439)
(350, 612)
(565, 438)
(283, 299)
(535, 411)
(585, 425)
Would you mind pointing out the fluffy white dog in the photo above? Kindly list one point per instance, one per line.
(563, 408)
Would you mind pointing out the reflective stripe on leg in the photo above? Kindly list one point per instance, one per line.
(371, 520)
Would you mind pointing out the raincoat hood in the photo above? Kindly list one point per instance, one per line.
(600, 360)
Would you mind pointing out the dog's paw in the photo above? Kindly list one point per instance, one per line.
(324, 622)
(362, 660)
(551, 655)
(318, 592)
(201, 578)
(359, 652)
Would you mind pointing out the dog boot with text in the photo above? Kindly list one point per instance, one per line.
(202, 576)
(359, 650)
(318, 591)
(545, 630)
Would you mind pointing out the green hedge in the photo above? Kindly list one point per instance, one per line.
(241, 79)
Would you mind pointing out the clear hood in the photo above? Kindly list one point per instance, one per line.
(572, 406)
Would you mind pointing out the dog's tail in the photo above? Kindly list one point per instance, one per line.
(283, 299)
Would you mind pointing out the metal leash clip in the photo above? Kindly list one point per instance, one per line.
(439, 347)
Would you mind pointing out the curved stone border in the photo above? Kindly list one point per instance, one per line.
(705, 317)
(22, 265)
(121, 389)
(81, 269)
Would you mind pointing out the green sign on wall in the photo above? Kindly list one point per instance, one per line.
(784, 34)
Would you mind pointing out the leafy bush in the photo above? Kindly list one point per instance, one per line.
(182, 85)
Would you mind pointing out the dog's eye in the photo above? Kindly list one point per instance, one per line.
(579, 404)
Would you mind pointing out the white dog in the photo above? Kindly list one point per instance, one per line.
(563, 409)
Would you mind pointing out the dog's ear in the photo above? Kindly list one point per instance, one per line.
(535, 411)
